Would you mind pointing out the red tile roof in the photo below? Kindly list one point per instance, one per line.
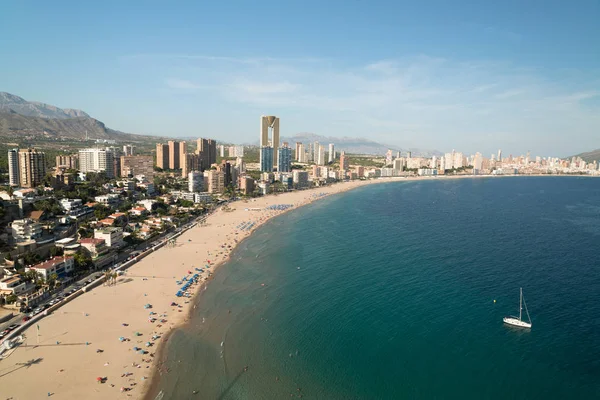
(94, 241)
(50, 263)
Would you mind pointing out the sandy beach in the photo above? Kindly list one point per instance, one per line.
(91, 347)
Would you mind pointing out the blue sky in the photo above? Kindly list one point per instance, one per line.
(469, 75)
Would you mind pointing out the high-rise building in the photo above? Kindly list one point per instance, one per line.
(97, 160)
(222, 151)
(399, 164)
(189, 163)
(215, 180)
(285, 159)
(331, 153)
(344, 165)
(128, 150)
(299, 148)
(408, 154)
(195, 181)
(69, 161)
(240, 164)
(207, 152)
(137, 165)
(300, 179)
(320, 155)
(266, 159)
(270, 123)
(389, 157)
(13, 167)
(225, 167)
(162, 156)
(315, 155)
(478, 161)
(32, 167)
(499, 154)
(246, 184)
(174, 154)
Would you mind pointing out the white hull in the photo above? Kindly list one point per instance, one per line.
(516, 322)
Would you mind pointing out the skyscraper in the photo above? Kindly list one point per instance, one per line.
(320, 155)
(285, 159)
(137, 165)
(331, 153)
(97, 160)
(271, 123)
(189, 163)
(13, 167)
(70, 161)
(195, 181)
(162, 156)
(128, 150)
(207, 152)
(32, 167)
(266, 159)
(499, 154)
(174, 154)
(315, 156)
(298, 148)
(343, 161)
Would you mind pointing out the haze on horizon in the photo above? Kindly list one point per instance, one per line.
(435, 75)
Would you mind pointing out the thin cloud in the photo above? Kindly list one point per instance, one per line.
(175, 83)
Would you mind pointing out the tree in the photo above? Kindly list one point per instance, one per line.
(52, 279)
(11, 298)
(101, 212)
(82, 261)
(30, 258)
(56, 251)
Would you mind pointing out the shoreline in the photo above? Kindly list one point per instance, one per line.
(107, 308)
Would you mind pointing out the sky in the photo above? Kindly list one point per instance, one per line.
(465, 75)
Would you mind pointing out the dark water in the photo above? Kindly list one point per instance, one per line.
(386, 292)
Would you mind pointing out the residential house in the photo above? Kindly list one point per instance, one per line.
(138, 211)
(24, 230)
(96, 247)
(61, 266)
(113, 236)
(14, 285)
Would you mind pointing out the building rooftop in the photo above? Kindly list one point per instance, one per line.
(65, 241)
(107, 221)
(117, 215)
(11, 279)
(50, 263)
(93, 241)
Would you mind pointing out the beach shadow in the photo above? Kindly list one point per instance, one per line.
(55, 345)
(231, 385)
(26, 364)
(122, 281)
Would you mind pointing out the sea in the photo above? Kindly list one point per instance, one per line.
(398, 290)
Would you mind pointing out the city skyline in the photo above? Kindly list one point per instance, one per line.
(415, 79)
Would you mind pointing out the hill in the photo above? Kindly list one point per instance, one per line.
(21, 106)
(588, 156)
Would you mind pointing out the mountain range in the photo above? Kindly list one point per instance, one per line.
(356, 145)
(589, 156)
(22, 119)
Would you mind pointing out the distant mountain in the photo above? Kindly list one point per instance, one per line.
(19, 105)
(21, 119)
(356, 145)
(588, 156)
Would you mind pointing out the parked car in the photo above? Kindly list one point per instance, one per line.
(13, 327)
(26, 318)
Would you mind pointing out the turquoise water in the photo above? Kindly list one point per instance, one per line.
(387, 292)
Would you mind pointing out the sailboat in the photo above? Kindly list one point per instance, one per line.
(514, 321)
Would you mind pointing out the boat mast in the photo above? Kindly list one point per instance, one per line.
(520, 304)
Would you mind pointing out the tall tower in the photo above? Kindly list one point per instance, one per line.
(331, 153)
(500, 155)
(32, 167)
(13, 167)
(270, 122)
(174, 159)
(162, 156)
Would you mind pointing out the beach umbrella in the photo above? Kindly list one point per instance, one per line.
(99, 379)
(121, 338)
